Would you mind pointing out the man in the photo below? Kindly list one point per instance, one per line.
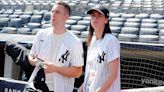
(60, 50)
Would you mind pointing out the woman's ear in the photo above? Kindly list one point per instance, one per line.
(106, 20)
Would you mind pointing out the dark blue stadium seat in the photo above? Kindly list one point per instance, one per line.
(36, 19)
(16, 22)
(3, 22)
(25, 18)
(46, 17)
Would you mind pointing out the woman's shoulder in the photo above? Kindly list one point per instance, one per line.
(110, 37)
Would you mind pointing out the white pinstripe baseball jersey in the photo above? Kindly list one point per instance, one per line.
(100, 53)
(70, 53)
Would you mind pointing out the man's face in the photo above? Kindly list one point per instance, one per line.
(58, 15)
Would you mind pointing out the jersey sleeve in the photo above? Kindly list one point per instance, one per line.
(35, 47)
(113, 49)
(77, 54)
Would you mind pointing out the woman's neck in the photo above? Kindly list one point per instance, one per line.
(98, 33)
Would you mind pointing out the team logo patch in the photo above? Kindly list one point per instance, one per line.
(64, 57)
(101, 58)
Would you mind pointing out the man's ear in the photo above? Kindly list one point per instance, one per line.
(66, 16)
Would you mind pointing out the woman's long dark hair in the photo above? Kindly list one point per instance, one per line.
(91, 30)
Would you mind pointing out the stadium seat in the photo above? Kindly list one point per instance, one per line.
(77, 33)
(83, 22)
(156, 16)
(161, 32)
(117, 24)
(46, 26)
(161, 21)
(118, 19)
(9, 11)
(9, 30)
(128, 37)
(130, 30)
(38, 13)
(149, 38)
(25, 18)
(148, 25)
(3, 22)
(161, 39)
(33, 25)
(16, 22)
(79, 27)
(18, 13)
(71, 22)
(161, 26)
(86, 18)
(24, 31)
(13, 16)
(4, 15)
(35, 31)
(115, 29)
(131, 24)
(46, 17)
(84, 34)
(142, 16)
(68, 26)
(76, 18)
(27, 13)
(148, 31)
(128, 15)
(36, 19)
(135, 20)
(114, 15)
(149, 21)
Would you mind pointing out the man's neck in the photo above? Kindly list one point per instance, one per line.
(59, 30)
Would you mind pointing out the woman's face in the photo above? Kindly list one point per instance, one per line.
(98, 20)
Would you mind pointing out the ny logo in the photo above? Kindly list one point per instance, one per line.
(63, 58)
(101, 58)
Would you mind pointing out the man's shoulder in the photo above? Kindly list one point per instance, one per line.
(44, 31)
(72, 36)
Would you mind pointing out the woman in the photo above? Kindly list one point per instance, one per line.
(103, 57)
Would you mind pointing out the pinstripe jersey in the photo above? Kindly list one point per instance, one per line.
(100, 53)
(70, 53)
